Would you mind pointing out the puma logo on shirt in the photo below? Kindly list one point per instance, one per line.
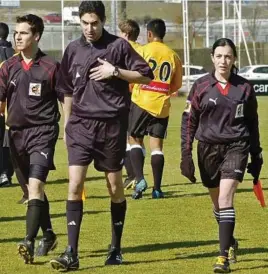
(213, 100)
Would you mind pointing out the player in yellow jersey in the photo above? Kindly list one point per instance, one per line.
(130, 30)
(149, 111)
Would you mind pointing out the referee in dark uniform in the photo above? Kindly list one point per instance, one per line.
(94, 76)
(221, 114)
(27, 82)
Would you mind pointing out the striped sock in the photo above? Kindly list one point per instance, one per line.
(226, 229)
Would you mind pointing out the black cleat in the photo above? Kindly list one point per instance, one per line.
(4, 180)
(66, 261)
(46, 244)
(26, 251)
(114, 257)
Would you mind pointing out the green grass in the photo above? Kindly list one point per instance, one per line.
(174, 235)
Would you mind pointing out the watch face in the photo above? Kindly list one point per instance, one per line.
(116, 72)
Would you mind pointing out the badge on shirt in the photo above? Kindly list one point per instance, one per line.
(188, 106)
(239, 111)
(35, 89)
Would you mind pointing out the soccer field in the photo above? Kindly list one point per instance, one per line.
(177, 234)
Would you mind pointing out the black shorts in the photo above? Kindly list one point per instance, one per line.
(142, 123)
(6, 139)
(33, 146)
(225, 161)
(103, 141)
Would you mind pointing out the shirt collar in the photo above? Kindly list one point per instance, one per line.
(37, 58)
(214, 81)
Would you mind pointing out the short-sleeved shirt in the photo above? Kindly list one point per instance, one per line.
(167, 68)
(107, 98)
(29, 91)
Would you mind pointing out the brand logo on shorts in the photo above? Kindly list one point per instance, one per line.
(72, 223)
(77, 75)
(44, 154)
(238, 171)
(122, 162)
(239, 111)
(213, 100)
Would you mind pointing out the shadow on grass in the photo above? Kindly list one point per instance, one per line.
(245, 190)
(87, 197)
(250, 268)
(58, 215)
(181, 184)
(17, 240)
(241, 251)
(163, 246)
(66, 180)
(174, 194)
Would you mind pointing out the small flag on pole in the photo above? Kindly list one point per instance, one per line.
(257, 188)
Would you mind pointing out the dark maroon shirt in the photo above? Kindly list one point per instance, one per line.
(107, 98)
(221, 115)
(30, 91)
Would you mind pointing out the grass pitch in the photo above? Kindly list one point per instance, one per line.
(177, 234)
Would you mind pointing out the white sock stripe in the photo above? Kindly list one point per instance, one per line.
(157, 152)
(227, 210)
(128, 147)
(224, 213)
(227, 221)
(135, 146)
(227, 217)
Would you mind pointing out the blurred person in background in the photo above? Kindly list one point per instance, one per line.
(6, 168)
(150, 106)
(130, 30)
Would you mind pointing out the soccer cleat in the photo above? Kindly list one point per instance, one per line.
(26, 251)
(4, 181)
(66, 261)
(114, 256)
(46, 244)
(157, 194)
(23, 201)
(129, 183)
(140, 187)
(232, 254)
(222, 265)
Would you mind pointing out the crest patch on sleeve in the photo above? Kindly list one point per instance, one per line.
(188, 106)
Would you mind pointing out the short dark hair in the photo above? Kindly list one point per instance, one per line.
(157, 27)
(131, 28)
(4, 31)
(224, 42)
(96, 7)
(36, 23)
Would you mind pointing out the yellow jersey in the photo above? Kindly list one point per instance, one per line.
(167, 69)
(138, 47)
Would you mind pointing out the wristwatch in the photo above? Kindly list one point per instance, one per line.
(116, 71)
